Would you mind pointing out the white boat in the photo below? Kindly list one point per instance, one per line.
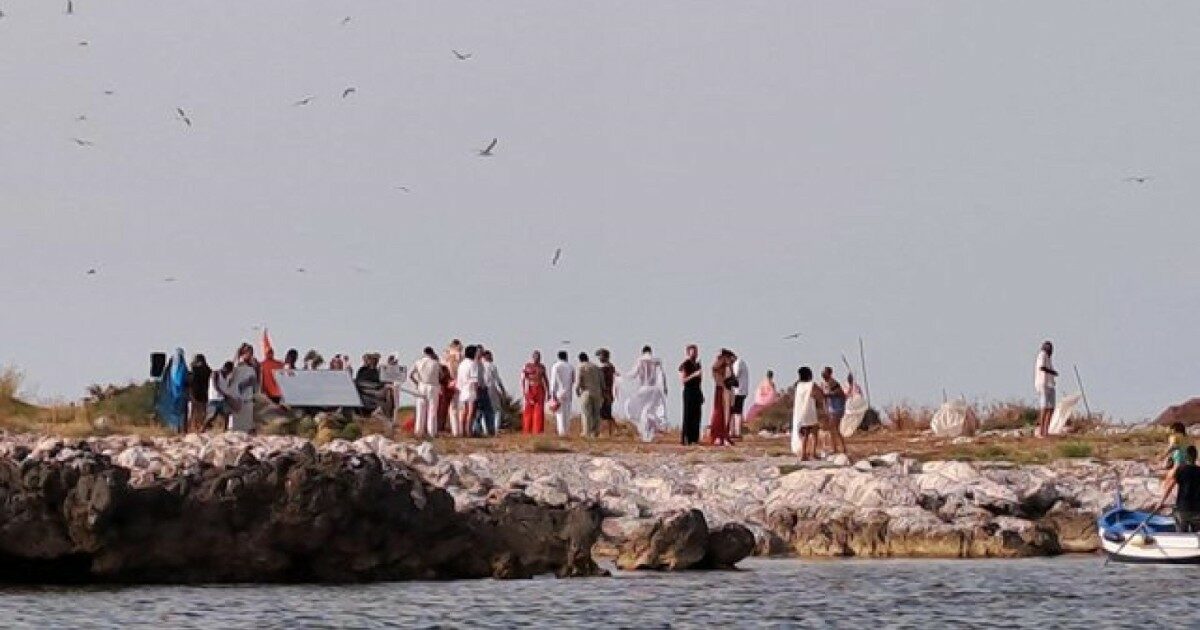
(1125, 539)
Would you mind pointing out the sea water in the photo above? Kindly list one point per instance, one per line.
(1066, 592)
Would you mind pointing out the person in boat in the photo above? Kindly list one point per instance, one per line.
(1177, 445)
(1186, 478)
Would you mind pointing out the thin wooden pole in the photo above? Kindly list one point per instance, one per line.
(862, 359)
(1079, 381)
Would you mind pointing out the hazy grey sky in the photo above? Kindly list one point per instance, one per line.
(942, 178)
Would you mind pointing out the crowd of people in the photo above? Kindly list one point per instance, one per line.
(461, 393)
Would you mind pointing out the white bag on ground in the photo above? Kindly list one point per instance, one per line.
(856, 410)
(1062, 413)
(953, 419)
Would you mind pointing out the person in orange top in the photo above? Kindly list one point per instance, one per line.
(266, 371)
(534, 387)
(267, 383)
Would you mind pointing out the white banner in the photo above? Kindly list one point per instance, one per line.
(317, 388)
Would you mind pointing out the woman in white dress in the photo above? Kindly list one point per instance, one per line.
(643, 395)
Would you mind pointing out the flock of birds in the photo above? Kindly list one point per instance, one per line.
(182, 115)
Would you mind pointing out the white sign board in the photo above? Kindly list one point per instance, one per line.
(393, 373)
(317, 388)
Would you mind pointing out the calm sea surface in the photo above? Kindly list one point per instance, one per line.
(1072, 592)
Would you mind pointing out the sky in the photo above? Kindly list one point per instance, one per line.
(945, 180)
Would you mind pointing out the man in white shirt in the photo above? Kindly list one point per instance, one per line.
(741, 372)
(1043, 381)
(426, 375)
(562, 390)
(468, 381)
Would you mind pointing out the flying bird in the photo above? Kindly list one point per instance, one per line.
(109, 92)
(402, 188)
(461, 56)
(183, 116)
(487, 152)
(304, 101)
(70, 7)
(91, 272)
(83, 143)
(81, 117)
(1139, 179)
(83, 42)
(300, 270)
(557, 255)
(169, 279)
(345, 20)
(348, 91)
(793, 336)
(1, 14)
(565, 342)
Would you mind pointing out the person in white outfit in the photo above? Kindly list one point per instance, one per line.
(643, 395)
(741, 372)
(467, 382)
(426, 374)
(562, 388)
(807, 411)
(1043, 382)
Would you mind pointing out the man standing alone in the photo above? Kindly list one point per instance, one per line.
(562, 388)
(1043, 381)
(590, 388)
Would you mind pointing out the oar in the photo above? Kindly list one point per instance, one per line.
(1135, 532)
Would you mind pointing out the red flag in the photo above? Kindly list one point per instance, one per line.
(266, 343)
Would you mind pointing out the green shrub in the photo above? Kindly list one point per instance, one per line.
(351, 432)
(1074, 449)
(306, 427)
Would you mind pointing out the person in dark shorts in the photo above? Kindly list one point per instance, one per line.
(1186, 477)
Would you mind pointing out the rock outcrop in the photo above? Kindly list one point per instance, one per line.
(682, 541)
(253, 513)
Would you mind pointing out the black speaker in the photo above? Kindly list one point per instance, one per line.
(158, 363)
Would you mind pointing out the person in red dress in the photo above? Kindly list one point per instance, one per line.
(534, 386)
(722, 371)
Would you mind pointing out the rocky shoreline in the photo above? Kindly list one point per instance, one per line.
(233, 508)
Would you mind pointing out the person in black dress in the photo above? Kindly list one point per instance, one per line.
(693, 396)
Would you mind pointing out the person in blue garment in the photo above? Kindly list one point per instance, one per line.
(172, 397)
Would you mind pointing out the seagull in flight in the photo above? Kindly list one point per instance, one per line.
(348, 91)
(91, 272)
(345, 20)
(183, 116)
(557, 255)
(461, 56)
(83, 143)
(793, 336)
(304, 101)
(487, 152)
(402, 189)
(300, 270)
(83, 42)
(109, 92)
(1138, 179)
(81, 118)
(169, 279)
